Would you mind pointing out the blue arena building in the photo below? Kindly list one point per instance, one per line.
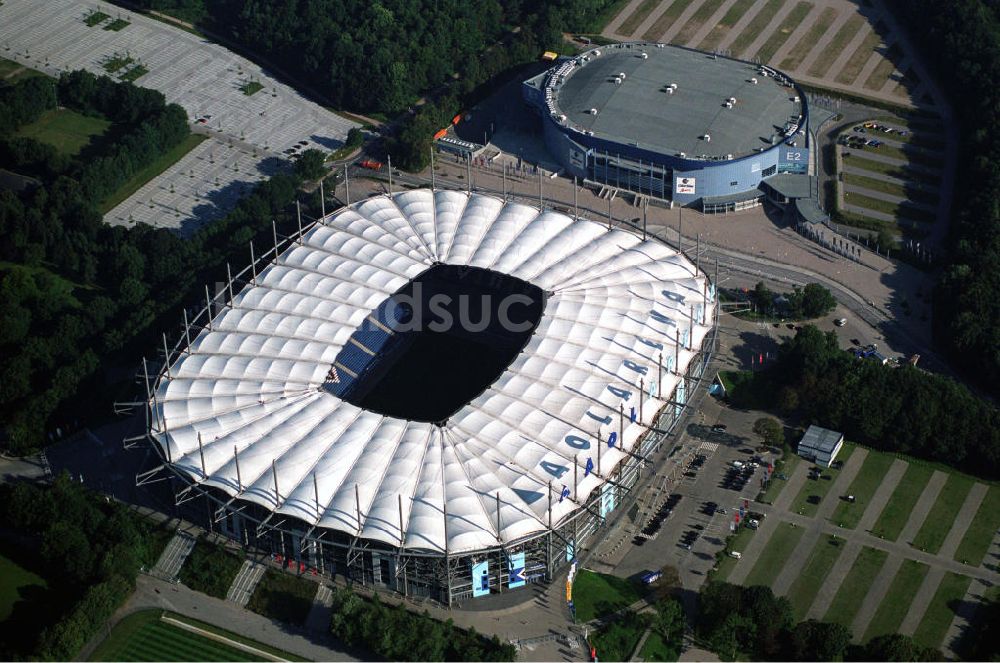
(694, 128)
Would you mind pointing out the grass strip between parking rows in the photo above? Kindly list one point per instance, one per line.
(896, 603)
(897, 509)
(942, 515)
(863, 487)
(855, 586)
(806, 586)
(941, 611)
(772, 559)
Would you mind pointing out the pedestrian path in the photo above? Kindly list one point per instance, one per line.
(173, 556)
(245, 582)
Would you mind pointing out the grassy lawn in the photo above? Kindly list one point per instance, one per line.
(777, 551)
(210, 569)
(117, 25)
(757, 25)
(596, 594)
(854, 588)
(705, 12)
(803, 591)
(802, 48)
(616, 640)
(983, 527)
(785, 466)
(818, 488)
(95, 17)
(941, 610)
(235, 637)
(858, 58)
(12, 72)
(656, 649)
(912, 155)
(283, 596)
(837, 45)
(666, 19)
(134, 74)
(136, 182)
(880, 74)
(14, 578)
(784, 31)
(865, 483)
(64, 129)
(143, 636)
(892, 188)
(636, 18)
(901, 172)
(737, 542)
(722, 28)
(896, 602)
(251, 87)
(898, 210)
(941, 516)
(897, 510)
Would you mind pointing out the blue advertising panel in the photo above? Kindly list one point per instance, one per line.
(480, 579)
(793, 159)
(516, 578)
(607, 499)
(569, 551)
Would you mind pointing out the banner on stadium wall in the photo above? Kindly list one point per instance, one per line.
(481, 579)
(570, 552)
(685, 185)
(516, 578)
(607, 499)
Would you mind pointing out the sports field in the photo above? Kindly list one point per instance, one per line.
(145, 636)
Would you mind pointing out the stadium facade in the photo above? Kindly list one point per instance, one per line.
(695, 128)
(302, 413)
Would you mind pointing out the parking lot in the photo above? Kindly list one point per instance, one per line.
(248, 133)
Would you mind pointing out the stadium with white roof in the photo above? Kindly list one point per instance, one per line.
(325, 423)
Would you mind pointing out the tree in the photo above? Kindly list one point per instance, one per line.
(311, 165)
(816, 301)
(770, 431)
(898, 647)
(812, 640)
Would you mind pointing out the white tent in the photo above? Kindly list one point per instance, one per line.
(250, 389)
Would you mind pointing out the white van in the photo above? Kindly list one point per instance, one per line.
(735, 554)
(738, 464)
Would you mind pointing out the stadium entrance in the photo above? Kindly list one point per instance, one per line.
(437, 343)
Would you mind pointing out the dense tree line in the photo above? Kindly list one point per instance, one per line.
(88, 549)
(811, 301)
(901, 410)
(396, 634)
(79, 296)
(752, 622)
(961, 40)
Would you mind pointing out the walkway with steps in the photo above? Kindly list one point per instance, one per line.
(245, 582)
(170, 562)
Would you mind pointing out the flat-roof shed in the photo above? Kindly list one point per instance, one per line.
(821, 445)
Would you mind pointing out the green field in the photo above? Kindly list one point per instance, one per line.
(64, 129)
(942, 515)
(136, 182)
(982, 529)
(784, 31)
(940, 612)
(865, 483)
(722, 28)
(854, 588)
(787, 467)
(772, 559)
(806, 43)
(636, 18)
(697, 20)
(738, 543)
(283, 596)
(837, 45)
(656, 649)
(897, 509)
(933, 159)
(900, 172)
(756, 25)
(819, 487)
(13, 579)
(896, 603)
(880, 74)
(143, 636)
(12, 72)
(666, 19)
(596, 594)
(892, 188)
(806, 586)
(898, 210)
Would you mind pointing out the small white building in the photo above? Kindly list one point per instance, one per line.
(821, 445)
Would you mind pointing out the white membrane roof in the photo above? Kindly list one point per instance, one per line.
(253, 382)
